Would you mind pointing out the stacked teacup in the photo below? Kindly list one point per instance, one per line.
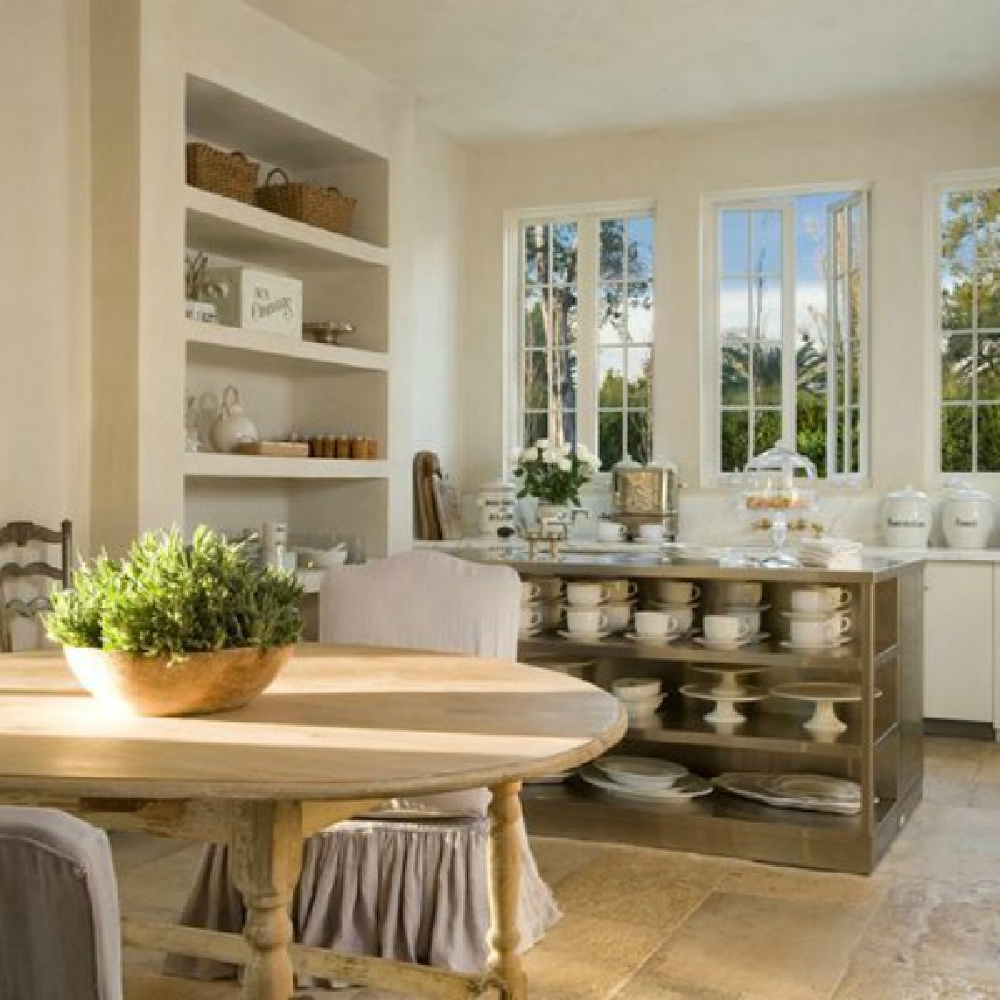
(817, 618)
(619, 604)
(677, 598)
(741, 600)
(584, 609)
(640, 696)
(541, 605)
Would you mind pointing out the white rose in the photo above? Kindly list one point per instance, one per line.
(594, 462)
(565, 464)
(565, 448)
(551, 456)
(529, 455)
(542, 443)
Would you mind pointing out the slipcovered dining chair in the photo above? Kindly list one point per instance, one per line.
(38, 566)
(59, 927)
(408, 882)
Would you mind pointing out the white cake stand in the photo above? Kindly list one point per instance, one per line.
(729, 678)
(824, 721)
(725, 713)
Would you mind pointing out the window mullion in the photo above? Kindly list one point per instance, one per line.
(789, 363)
(586, 391)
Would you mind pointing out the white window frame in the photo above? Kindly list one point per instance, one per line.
(761, 199)
(936, 187)
(587, 282)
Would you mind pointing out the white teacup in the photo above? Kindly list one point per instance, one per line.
(529, 618)
(676, 591)
(550, 588)
(651, 532)
(586, 594)
(741, 593)
(619, 614)
(655, 624)
(724, 628)
(586, 620)
(749, 619)
(683, 616)
(812, 632)
(634, 688)
(530, 591)
(552, 613)
(837, 625)
(620, 590)
(819, 599)
(610, 531)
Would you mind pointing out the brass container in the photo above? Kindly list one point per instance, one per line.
(199, 684)
(645, 494)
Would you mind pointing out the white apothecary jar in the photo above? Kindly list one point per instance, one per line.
(906, 519)
(496, 502)
(966, 516)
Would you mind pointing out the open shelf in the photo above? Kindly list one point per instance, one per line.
(211, 343)
(233, 229)
(767, 731)
(768, 653)
(210, 464)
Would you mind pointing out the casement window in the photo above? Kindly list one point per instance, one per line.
(787, 324)
(583, 330)
(968, 322)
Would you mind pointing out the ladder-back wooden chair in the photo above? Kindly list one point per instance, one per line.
(37, 567)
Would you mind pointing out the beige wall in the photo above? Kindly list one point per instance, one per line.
(44, 262)
(896, 148)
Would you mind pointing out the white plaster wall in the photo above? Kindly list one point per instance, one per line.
(44, 263)
(897, 148)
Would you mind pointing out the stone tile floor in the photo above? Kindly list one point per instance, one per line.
(651, 925)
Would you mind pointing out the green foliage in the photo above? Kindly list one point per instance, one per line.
(170, 599)
(554, 473)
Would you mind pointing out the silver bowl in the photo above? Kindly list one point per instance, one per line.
(327, 331)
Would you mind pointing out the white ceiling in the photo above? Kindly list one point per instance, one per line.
(502, 68)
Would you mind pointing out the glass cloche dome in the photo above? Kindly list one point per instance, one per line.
(779, 479)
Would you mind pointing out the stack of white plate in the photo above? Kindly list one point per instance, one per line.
(650, 778)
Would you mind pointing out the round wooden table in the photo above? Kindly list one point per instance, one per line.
(340, 730)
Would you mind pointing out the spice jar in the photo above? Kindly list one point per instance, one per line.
(343, 448)
(359, 447)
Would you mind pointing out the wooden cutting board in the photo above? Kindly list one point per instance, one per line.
(446, 506)
(425, 468)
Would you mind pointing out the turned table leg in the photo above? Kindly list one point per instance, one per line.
(266, 853)
(505, 885)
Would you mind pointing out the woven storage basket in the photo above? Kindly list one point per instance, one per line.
(319, 206)
(229, 174)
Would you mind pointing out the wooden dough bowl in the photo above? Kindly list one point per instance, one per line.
(198, 684)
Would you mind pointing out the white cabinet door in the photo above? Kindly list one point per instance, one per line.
(958, 641)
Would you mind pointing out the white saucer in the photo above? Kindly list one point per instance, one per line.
(819, 648)
(810, 616)
(669, 637)
(529, 633)
(735, 609)
(688, 786)
(585, 636)
(673, 605)
(729, 643)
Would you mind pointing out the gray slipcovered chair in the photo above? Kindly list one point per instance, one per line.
(410, 881)
(60, 935)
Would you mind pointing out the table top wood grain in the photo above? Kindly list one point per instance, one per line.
(338, 723)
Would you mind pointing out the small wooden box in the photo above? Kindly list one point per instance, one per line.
(276, 449)
(258, 300)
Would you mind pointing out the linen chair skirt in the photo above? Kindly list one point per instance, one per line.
(408, 891)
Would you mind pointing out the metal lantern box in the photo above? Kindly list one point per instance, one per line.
(258, 300)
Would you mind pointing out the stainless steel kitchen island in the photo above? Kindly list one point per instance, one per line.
(880, 747)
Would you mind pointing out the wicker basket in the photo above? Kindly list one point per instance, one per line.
(229, 174)
(318, 206)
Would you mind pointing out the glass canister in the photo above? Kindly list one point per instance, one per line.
(779, 482)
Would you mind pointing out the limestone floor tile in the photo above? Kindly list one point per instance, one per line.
(653, 985)
(986, 795)
(130, 850)
(950, 780)
(947, 843)
(633, 886)
(866, 980)
(161, 885)
(750, 879)
(763, 948)
(585, 958)
(557, 859)
(952, 748)
(948, 928)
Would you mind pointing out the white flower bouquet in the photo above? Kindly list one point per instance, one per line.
(554, 473)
